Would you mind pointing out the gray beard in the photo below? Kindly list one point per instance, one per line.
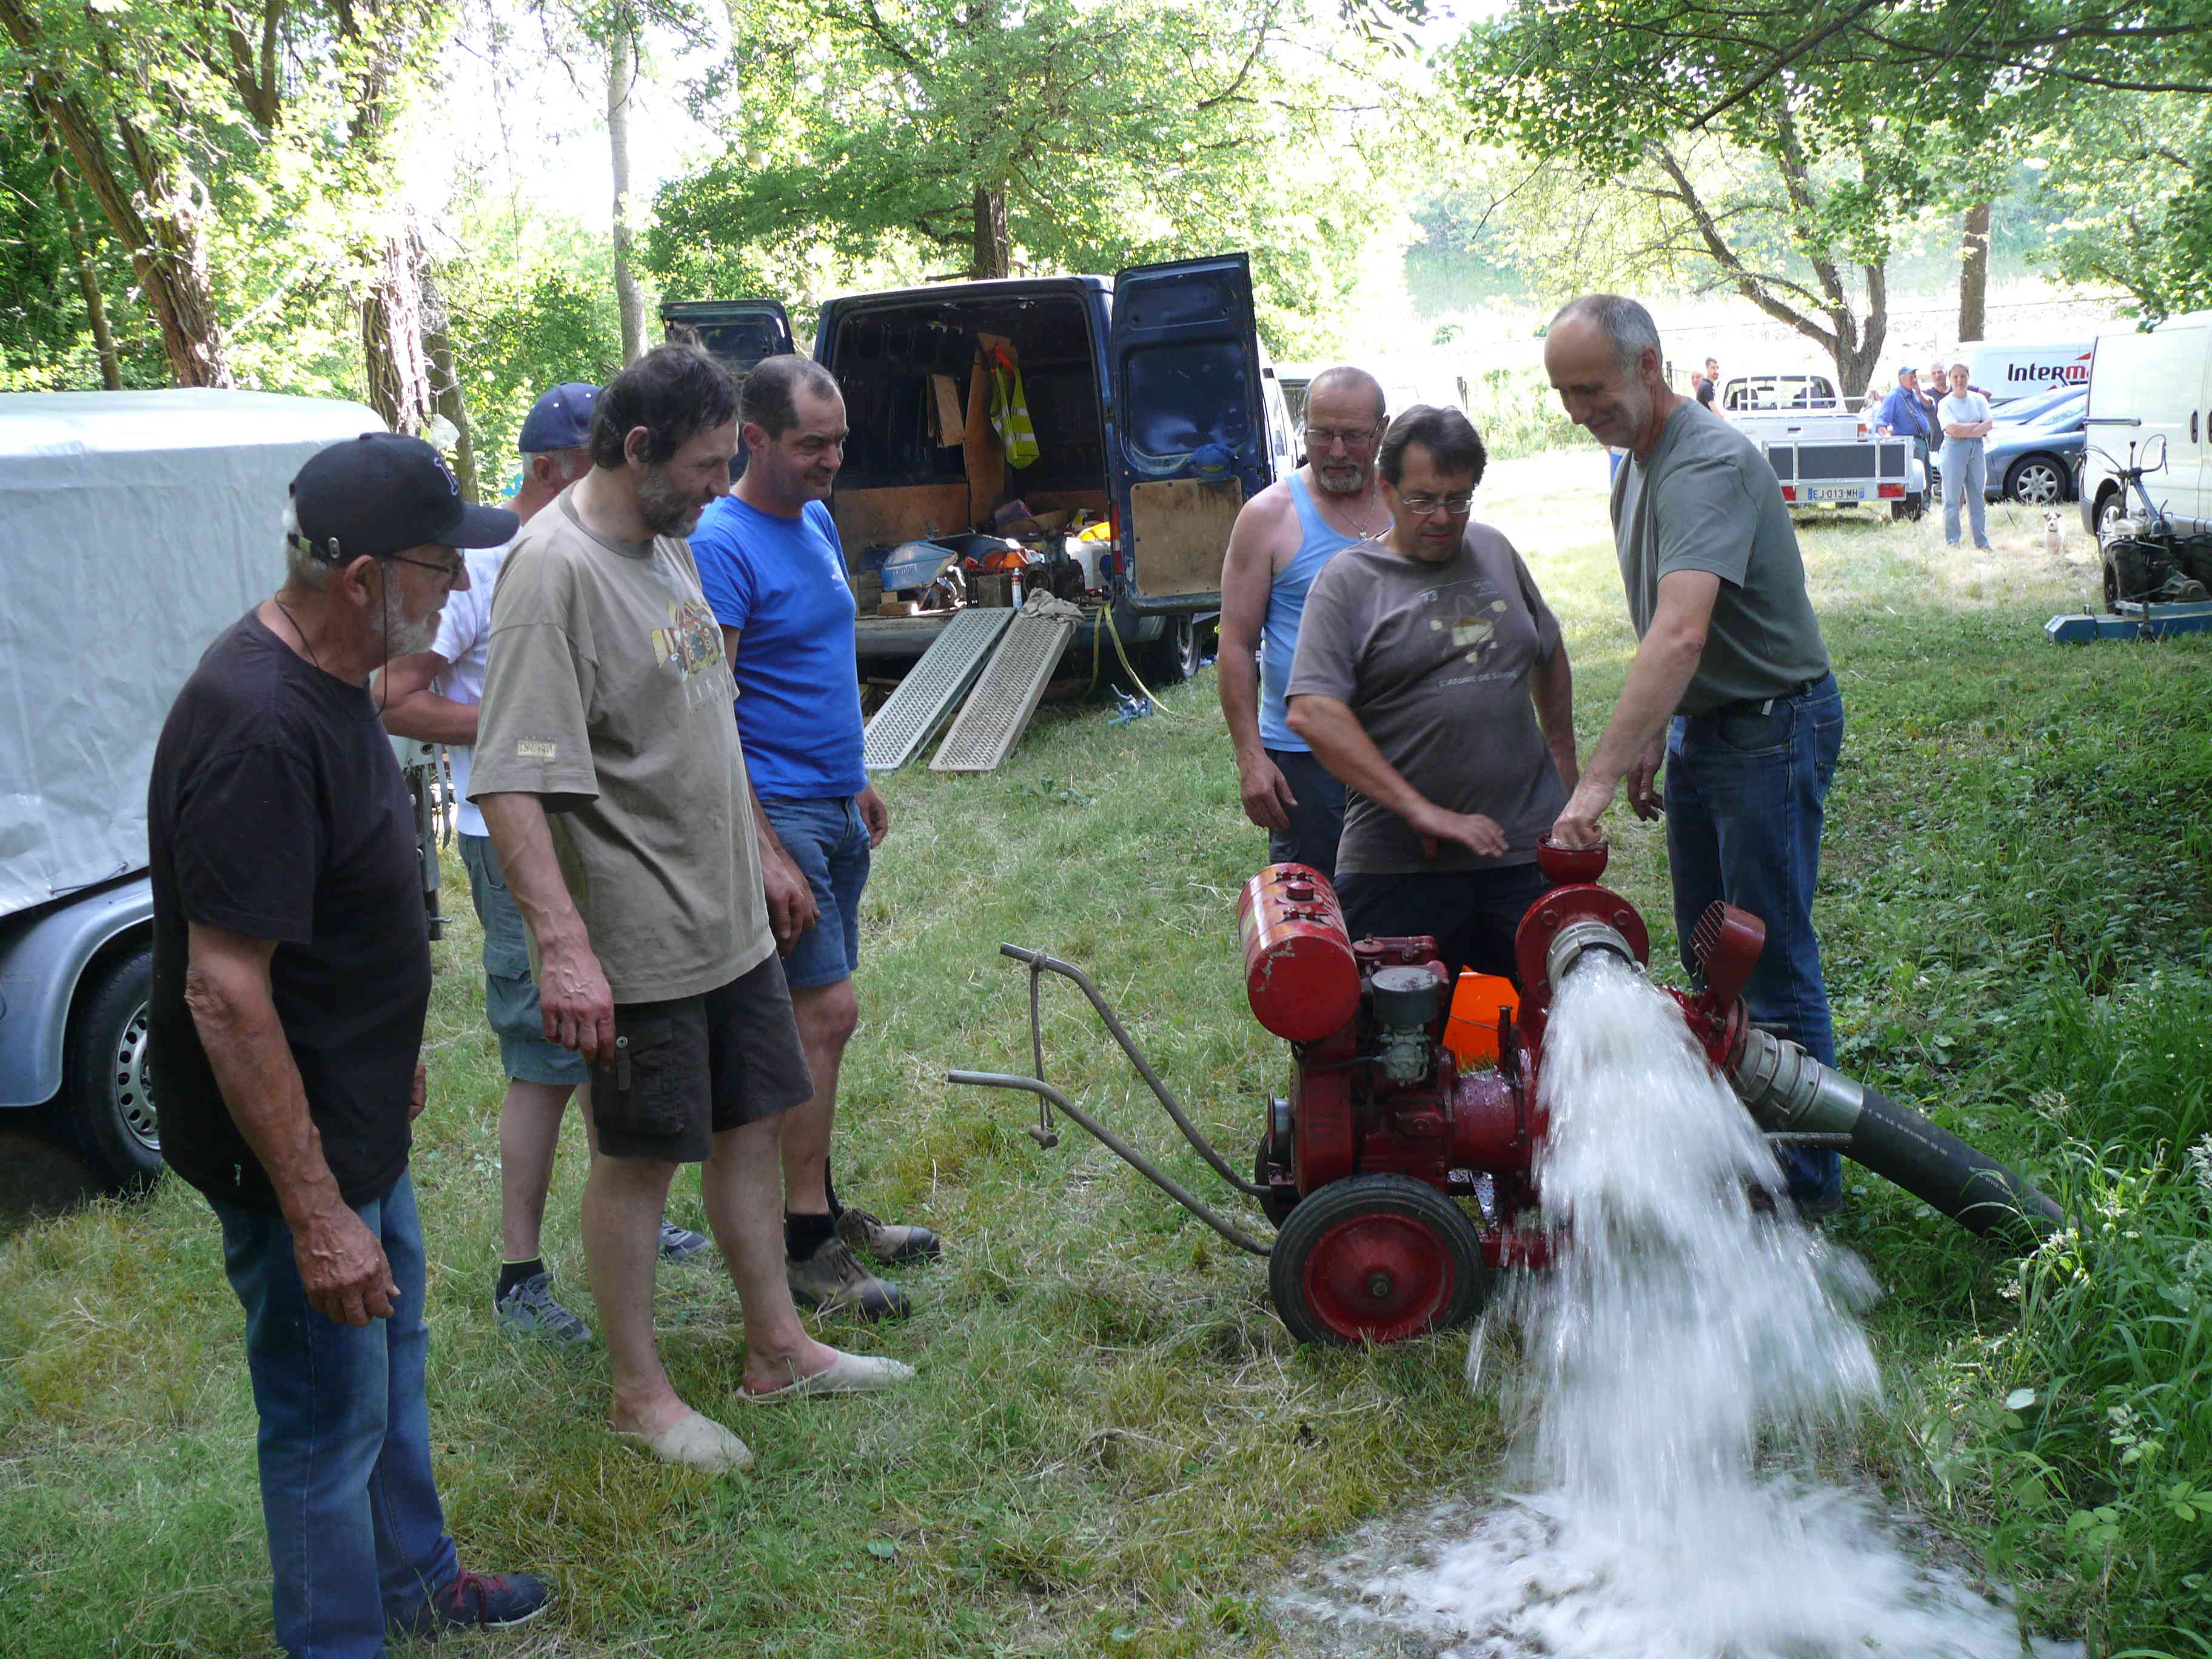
(662, 506)
(402, 638)
(1358, 484)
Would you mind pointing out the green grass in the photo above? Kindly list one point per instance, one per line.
(1113, 1447)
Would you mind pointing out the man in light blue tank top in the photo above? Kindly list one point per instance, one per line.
(1282, 538)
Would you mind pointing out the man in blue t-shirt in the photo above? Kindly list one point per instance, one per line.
(774, 571)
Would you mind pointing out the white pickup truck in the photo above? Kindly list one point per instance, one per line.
(1824, 452)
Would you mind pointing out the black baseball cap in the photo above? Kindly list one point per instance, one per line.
(382, 494)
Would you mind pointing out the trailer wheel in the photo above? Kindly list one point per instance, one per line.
(1909, 510)
(1376, 1259)
(104, 1112)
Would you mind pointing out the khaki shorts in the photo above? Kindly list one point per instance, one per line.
(687, 1070)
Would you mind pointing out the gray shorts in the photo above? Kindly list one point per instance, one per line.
(690, 1068)
(510, 994)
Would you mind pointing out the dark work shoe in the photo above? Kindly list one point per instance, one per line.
(680, 1243)
(529, 1309)
(833, 1280)
(888, 1241)
(480, 1600)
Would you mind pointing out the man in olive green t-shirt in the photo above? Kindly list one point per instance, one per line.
(612, 782)
(1730, 686)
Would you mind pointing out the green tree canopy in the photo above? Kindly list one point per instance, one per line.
(1044, 134)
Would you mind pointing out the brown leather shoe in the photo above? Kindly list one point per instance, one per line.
(833, 1280)
(887, 1240)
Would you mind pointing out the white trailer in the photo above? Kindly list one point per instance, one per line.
(134, 527)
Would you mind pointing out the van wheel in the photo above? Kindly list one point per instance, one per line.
(1173, 657)
(104, 1112)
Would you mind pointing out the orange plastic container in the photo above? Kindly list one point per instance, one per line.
(1471, 1032)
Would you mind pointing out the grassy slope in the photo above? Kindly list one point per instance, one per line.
(1113, 1446)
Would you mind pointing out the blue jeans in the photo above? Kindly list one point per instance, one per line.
(1965, 476)
(355, 1533)
(1745, 792)
(827, 840)
(1317, 822)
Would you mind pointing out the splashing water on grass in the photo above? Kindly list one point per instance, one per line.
(1684, 1345)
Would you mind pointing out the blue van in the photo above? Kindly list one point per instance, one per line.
(1155, 408)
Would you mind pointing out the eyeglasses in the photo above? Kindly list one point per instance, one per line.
(451, 571)
(1422, 507)
(1325, 437)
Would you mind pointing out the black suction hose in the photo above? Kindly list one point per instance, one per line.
(1933, 1165)
(1787, 1090)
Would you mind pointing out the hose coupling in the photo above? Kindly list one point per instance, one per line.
(1785, 1088)
(1581, 934)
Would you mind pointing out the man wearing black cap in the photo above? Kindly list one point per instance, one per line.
(433, 696)
(291, 975)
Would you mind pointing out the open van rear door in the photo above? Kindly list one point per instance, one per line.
(735, 333)
(1190, 437)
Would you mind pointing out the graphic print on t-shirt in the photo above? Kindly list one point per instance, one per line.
(1464, 618)
(691, 644)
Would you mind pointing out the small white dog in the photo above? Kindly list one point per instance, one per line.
(2054, 533)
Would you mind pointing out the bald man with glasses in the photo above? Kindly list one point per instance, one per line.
(1282, 538)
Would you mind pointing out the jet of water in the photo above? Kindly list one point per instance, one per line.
(1675, 1364)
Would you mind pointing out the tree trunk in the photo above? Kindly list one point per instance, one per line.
(88, 273)
(1974, 273)
(622, 79)
(446, 385)
(156, 217)
(994, 253)
(399, 368)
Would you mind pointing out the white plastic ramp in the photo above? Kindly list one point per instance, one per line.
(997, 712)
(917, 710)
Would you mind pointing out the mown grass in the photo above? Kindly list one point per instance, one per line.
(1113, 1447)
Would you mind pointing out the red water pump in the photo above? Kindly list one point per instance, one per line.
(1400, 1184)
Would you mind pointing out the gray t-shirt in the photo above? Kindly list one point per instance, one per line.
(1707, 500)
(606, 693)
(1434, 659)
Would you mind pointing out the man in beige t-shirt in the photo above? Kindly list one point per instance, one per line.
(612, 782)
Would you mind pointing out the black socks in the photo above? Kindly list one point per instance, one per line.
(803, 1235)
(512, 1274)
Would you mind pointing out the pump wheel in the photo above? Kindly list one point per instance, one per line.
(1376, 1259)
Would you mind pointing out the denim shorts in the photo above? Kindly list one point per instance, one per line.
(827, 840)
(510, 994)
(686, 1070)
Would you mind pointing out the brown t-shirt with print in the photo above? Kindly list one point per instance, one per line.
(1434, 659)
(606, 694)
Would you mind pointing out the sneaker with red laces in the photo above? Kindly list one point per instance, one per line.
(481, 1600)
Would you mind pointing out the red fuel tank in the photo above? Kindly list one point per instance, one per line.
(1299, 971)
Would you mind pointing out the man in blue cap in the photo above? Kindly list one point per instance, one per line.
(291, 979)
(432, 695)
